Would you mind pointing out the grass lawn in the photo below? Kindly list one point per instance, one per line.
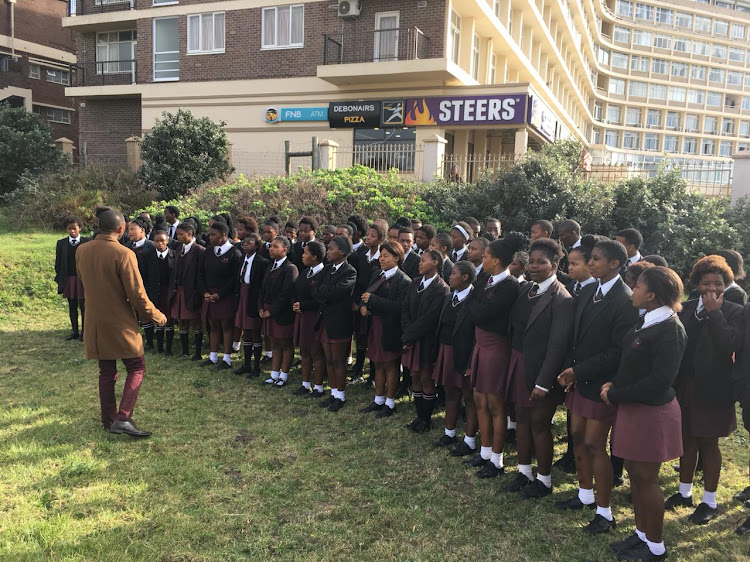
(236, 471)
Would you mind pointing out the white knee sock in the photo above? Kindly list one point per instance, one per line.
(497, 459)
(391, 403)
(486, 453)
(214, 356)
(450, 432)
(471, 441)
(380, 400)
(656, 548)
(546, 480)
(227, 359)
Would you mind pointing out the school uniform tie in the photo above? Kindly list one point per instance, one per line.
(275, 266)
(489, 282)
(533, 291)
(577, 288)
(454, 257)
(243, 272)
(421, 286)
(599, 295)
(310, 273)
(218, 252)
(455, 300)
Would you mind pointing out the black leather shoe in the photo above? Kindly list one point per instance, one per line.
(280, 382)
(223, 365)
(336, 405)
(703, 514)
(315, 394)
(73, 336)
(489, 470)
(327, 402)
(621, 546)
(127, 427)
(676, 500)
(536, 490)
(385, 412)
(640, 552)
(476, 461)
(266, 359)
(372, 407)
(743, 529)
(445, 441)
(519, 482)
(301, 391)
(270, 381)
(422, 426)
(566, 463)
(462, 450)
(241, 371)
(743, 496)
(412, 423)
(208, 363)
(574, 503)
(599, 525)
(196, 357)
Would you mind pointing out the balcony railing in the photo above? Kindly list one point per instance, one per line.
(379, 45)
(105, 73)
(85, 7)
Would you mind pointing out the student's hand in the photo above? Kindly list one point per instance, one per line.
(711, 302)
(538, 394)
(161, 320)
(295, 307)
(567, 379)
(408, 345)
(355, 307)
(366, 297)
(604, 393)
(206, 296)
(363, 311)
(215, 297)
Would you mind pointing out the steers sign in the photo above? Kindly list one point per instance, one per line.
(467, 110)
(349, 114)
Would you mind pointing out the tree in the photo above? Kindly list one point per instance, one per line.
(25, 146)
(183, 152)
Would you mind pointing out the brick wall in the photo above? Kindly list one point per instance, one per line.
(104, 126)
(39, 21)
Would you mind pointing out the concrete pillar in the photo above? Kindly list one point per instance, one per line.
(328, 149)
(522, 142)
(740, 175)
(480, 151)
(495, 144)
(432, 160)
(229, 151)
(133, 151)
(466, 43)
(65, 146)
(461, 149)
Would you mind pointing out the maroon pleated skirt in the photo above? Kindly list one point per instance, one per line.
(305, 334)
(410, 359)
(698, 421)
(445, 373)
(489, 362)
(375, 350)
(591, 409)
(241, 319)
(518, 392)
(648, 433)
(325, 339)
(219, 310)
(73, 288)
(180, 310)
(273, 329)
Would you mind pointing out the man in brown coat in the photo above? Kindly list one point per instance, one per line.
(114, 292)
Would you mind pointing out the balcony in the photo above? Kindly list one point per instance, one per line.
(87, 7)
(104, 73)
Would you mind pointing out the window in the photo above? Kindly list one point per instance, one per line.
(115, 52)
(709, 125)
(166, 49)
(681, 45)
(659, 66)
(622, 34)
(697, 72)
(677, 94)
(205, 33)
(683, 20)
(700, 48)
(283, 27)
(616, 86)
(718, 52)
(707, 149)
(34, 71)
(670, 143)
(662, 41)
(596, 136)
(611, 138)
(716, 75)
(657, 92)
(727, 126)
(703, 24)
(664, 15)
(713, 99)
(679, 69)
(673, 120)
(736, 54)
(619, 60)
(639, 64)
(725, 149)
(691, 123)
(454, 37)
(603, 55)
(653, 118)
(745, 128)
(637, 89)
(747, 80)
(614, 113)
(721, 27)
(738, 31)
(650, 142)
(696, 96)
(493, 67)
(475, 43)
(641, 37)
(630, 140)
(734, 78)
(633, 116)
(689, 145)
(624, 8)
(58, 115)
(745, 103)
(598, 110)
(58, 76)
(644, 11)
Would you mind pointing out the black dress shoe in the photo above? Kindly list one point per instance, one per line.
(703, 514)
(223, 365)
(536, 490)
(676, 500)
(598, 525)
(270, 381)
(421, 427)
(385, 412)
(372, 407)
(127, 427)
(412, 423)
(519, 482)
(489, 470)
(327, 402)
(315, 394)
(241, 371)
(476, 461)
(266, 359)
(208, 363)
(743, 529)
(743, 496)
(574, 503)
(445, 441)
(73, 336)
(301, 391)
(280, 382)
(621, 546)
(336, 405)
(196, 357)
(640, 552)
(462, 450)
(566, 463)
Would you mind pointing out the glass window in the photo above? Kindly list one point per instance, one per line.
(700, 48)
(697, 72)
(493, 67)
(716, 75)
(734, 78)
(454, 37)
(283, 27)
(745, 103)
(630, 140)
(475, 45)
(703, 24)
(166, 49)
(709, 125)
(622, 34)
(624, 8)
(205, 33)
(651, 142)
(677, 94)
(725, 149)
(736, 54)
(644, 11)
(638, 64)
(691, 122)
(713, 99)
(598, 110)
(614, 113)
(58, 115)
(637, 89)
(619, 60)
(681, 45)
(673, 120)
(718, 52)
(679, 69)
(616, 86)
(738, 31)
(696, 96)
(603, 55)
(708, 147)
(633, 116)
(653, 118)
(611, 138)
(115, 52)
(670, 143)
(34, 71)
(641, 37)
(689, 145)
(659, 66)
(657, 92)
(664, 15)
(684, 20)
(745, 128)
(721, 27)
(662, 41)
(727, 126)
(58, 76)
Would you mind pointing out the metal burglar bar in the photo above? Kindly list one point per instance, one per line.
(713, 179)
(104, 73)
(406, 158)
(463, 167)
(83, 7)
(379, 45)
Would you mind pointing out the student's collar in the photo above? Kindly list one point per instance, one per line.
(337, 266)
(478, 269)
(163, 254)
(657, 316)
(732, 285)
(427, 282)
(700, 305)
(186, 247)
(315, 269)
(588, 281)
(463, 294)
(78, 239)
(357, 246)
(608, 285)
(374, 256)
(279, 263)
(225, 247)
(635, 259)
(499, 277)
(390, 272)
(249, 258)
(406, 254)
(140, 243)
(544, 285)
(576, 244)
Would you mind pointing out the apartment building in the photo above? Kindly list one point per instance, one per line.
(36, 55)
(634, 81)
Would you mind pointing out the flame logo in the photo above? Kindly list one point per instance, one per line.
(417, 113)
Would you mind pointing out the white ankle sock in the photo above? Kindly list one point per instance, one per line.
(486, 453)
(546, 480)
(342, 395)
(525, 469)
(471, 441)
(236, 345)
(227, 359)
(710, 499)
(283, 376)
(586, 496)
(656, 548)
(319, 388)
(380, 400)
(511, 424)
(641, 535)
(306, 384)
(450, 432)
(275, 375)
(335, 392)
(686, 489)
(269, 354)
(214, 356)
(391, 403)
(605, 512)
(497, 459)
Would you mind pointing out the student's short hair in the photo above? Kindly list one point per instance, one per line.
(467, 227)
(273, 224)
(347, 227)
(291, 224)
(488, 236)
(444, 240)
(473, 223)
(492, 219)
(523, 257)
(551, 248)
(506, 248)
(359, 222)
(631, 236)
(317, 249)
(274, 218)
(735, 261)
(309, 221)
(711, 264)
(403, 221)
(545, 225)
(383, 224)
(255, 237)
(158, 231)
(174, 210)
(220, 227)
(484, 242)
(394, 249)
(378, 229)
(467, 268)
(250, 224)
(187, 226)
(613, 250)
(406, 230)
(665, 284)
(569, 225)
(284, 242)
(428, 231)
(636, 269)
(436, 257)
(656, 260)
(72, 219)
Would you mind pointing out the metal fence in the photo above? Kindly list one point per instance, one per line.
(713, 179)
(379, 45)
(252, 164)
(406, 158)
(469, 167)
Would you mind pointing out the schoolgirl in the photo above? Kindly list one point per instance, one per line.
(66, 276)
(475, 254)
(334, 296)
(733, 292)
(604, 314)
(647, 426)
(145, 252)
(269, 232)
(443, 244)
(276, 298)
(461, 235)
(184, 295)
(217, 281)
(422, 238)
(247, 319)
(305, 234)
(165, 258)
(245, 226)
(382, 301)
(420, 315)
(704, 384)
(410, 266)
(519, 265)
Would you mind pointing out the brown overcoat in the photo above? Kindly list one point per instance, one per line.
(114, 294)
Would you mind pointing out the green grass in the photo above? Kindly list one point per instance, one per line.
(236, 471)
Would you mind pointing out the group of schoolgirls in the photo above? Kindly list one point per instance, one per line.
(503, 327)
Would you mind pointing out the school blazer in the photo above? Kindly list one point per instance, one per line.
(334, 297)
(296, 255)
(365, 271)
(189, 265)
(741, 378)
(278, 292)
(257, 274)
(227, 283)
(490, 308)
(411, 265)
(735, 294)
(712, 366)
(463, 333)
(598, 335)
(481, 279)
(62, 252)
(155, 287)
(547, 336)
(263, 251)
(418, 319)
(447, 268)
(388, 306)
(146, 265)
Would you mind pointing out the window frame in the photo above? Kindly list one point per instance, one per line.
(275, 46)
(38, 71)
(200, 17)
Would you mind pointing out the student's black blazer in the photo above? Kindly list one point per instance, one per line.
(712, 366)
(388, 305)
(263, 251)
(463, 333)
(220, 272)
(62, 258)
(735, 294)
(447, 268)
(411, 265)
(155, 282)
(481, 279)
(547, 336)
(187, 267)
(365, 272)
(146, 265)
(278, 292)
(490, 308)
(420, 314)
(296, 255)
(334, 297)
(741, 378)
(598, 335)
(257, 274)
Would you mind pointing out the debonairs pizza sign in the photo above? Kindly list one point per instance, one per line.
(467, 110)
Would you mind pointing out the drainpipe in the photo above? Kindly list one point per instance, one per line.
(12, 29)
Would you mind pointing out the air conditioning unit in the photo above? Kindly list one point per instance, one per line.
(349, 8)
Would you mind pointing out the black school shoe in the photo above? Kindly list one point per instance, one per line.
(489, 470)
(372, 407)
(703, 514)
(410, 426)
(462, 450)
(519, 482)
(477, 461)
(574, 504)
(445, 441)
(566, 463)
(421, 427)
(598, 525)
(640, 552)
(327, 402)
(385, 412)
(301, 391)
(743, 496)
(223, 365)
(336, 405)
(208, 363)
(676, 500)
(743, 529)
(535, 490)
(315, 394)
(626, 544)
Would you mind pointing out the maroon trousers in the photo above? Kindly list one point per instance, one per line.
(136, 367)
